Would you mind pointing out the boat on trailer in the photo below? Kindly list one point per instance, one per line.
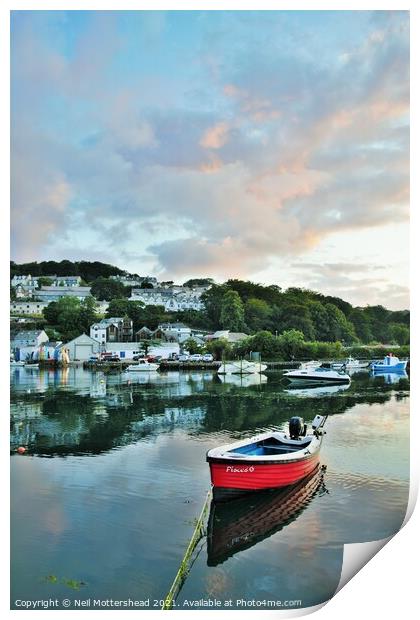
(269, 460)
(241, 367)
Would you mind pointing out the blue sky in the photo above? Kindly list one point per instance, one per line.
(266, 145)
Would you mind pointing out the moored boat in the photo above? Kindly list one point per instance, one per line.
(143, 366)
(267, 461)
(324, 375)
(390, 363)
(15, 363)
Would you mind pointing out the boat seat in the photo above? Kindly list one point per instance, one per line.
(282, 448)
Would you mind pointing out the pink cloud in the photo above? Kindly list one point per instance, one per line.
(215, 137)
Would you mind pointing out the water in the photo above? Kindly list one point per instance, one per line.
(103, 502)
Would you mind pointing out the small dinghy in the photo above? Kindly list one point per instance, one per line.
(267, 461)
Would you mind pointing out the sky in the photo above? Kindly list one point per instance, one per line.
(263, 145)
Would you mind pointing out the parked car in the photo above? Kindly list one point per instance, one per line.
(184, 357)
(207, 357)
(93, 358)
(110, 357)
(173, 357)
(196, 357)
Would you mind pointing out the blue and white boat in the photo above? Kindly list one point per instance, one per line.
(390, 363)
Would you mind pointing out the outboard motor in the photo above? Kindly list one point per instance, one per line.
(296, 428)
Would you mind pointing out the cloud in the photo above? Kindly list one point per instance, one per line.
(215, 137)
(291, 128)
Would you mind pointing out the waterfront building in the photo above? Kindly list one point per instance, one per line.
(54, 293)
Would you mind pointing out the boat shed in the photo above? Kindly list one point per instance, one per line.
(82, 347)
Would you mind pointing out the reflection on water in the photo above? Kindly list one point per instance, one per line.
(317, 390)
(240, 524)
(115, 473)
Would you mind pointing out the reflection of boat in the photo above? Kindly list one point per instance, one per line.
(241, 523)
(391, 377)
(266, 461)
(318, 390)
(390, 363)
(142, 366)
(244, 380)
(317, 376)
(241, 367)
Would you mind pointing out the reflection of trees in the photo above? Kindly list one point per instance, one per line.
(61, 422)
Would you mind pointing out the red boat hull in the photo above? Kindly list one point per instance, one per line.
(231, 479)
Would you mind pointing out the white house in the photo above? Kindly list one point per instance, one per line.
(30, 338)
(27, 307)
(114, 329)
(173, 299)
(66, 280)
(25, 280)
(175, 331)
(231, 337)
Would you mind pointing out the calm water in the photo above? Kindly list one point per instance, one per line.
(104, 501)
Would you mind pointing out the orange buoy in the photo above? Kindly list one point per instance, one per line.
(21, 450)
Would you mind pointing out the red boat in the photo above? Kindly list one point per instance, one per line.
(270, 460)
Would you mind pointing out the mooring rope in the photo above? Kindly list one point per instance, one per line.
(185, 564)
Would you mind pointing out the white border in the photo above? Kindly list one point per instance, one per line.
(386, 586)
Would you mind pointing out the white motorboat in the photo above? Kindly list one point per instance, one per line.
(14, 364)
(143, 366)
(323, 375)
(350, 363)
(241, 367)
(32, 365)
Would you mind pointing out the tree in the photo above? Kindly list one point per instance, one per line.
(265, 343)
(291, 343)
(107, 289)
(232, 312)
(362, 325)
(146, 284)
(257, 314)
(191, 346)
(88, 313)
(293, 315)
(399, 333)
(43, 281)
(339, 327)
(212, 299)
(319, 318)
(198, 282)
(219, 348)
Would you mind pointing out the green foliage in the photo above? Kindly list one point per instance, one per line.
(192, 346)
(199, 282)
(220, 349)
(399, 333)
(257, 314)
(69, 317)
(87, 270)
(232, 312)
(43, 281)
(107, 289)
